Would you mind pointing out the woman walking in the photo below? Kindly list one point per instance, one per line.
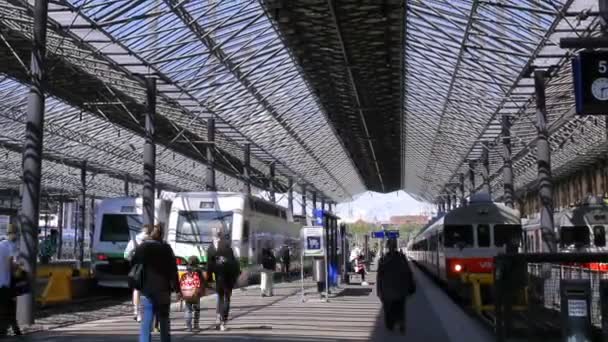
(224, 266)
(156, 278)
(129, 252)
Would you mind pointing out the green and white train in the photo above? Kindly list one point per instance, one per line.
(250, 223)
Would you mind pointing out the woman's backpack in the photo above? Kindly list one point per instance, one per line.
(190, 286)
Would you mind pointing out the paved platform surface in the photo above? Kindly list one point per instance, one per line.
(353, 314)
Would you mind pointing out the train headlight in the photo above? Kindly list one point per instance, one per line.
(458, 267)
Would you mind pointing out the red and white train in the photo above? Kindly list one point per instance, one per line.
(466, 239)
(580, 229)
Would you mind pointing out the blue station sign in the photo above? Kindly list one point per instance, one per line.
(389, 234)
(318, 214)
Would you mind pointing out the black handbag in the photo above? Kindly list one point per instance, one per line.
(136, 277)
(20, 283)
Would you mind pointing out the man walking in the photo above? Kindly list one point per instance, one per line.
(395, 283)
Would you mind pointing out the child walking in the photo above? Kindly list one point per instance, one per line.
(192, 284)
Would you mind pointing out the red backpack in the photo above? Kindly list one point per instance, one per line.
(190, 285)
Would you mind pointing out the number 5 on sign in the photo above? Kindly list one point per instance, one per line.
(603, 67)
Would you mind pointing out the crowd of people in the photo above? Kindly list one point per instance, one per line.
(154, 277)
(154, 280)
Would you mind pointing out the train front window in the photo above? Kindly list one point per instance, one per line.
(483, 235)
(576, 236)
(505, 233)
(599, 236)
(458, 236)
(198, 226)
(120, 227)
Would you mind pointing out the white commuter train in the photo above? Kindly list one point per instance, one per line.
(117, 221)
(250, 223)
(465, 239)
(579, 229)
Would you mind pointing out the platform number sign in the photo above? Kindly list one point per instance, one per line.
(314, 243)
(590, 71)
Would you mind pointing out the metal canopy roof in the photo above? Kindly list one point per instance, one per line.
(341, 95)
(212, 59)
(468, 63)
(352, 52)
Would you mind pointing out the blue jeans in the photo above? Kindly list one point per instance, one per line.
(193, 309)
(150, 309)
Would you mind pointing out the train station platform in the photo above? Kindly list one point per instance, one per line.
(353, 313)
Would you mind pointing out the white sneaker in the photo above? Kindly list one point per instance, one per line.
(364, 283)
(223, 327)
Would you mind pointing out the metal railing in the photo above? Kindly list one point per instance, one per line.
(550, 297)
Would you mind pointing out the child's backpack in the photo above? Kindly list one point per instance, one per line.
(190, 285)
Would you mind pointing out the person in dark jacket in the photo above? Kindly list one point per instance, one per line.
(285, 260)
(160, 279)
(224, 266)
(269, 264)
(395, 282)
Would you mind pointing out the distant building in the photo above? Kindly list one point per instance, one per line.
(408, 219)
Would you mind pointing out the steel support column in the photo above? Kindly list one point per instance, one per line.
(59, 228)
(290, 198)
(91, 224)
(83, 214)
(32, 160)
(472, 178)
(485, 169)
(461, 187)
(149, 154)
(314, 201)
(507, 170)
(126, 185)
(210, 148)
(454, 201)
(543, 157)
(246, 169)
(304, 201)
(323, 203)
(273, 196)
(448, 203)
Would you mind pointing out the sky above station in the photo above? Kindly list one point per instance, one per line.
(368, 206)
(376, 207)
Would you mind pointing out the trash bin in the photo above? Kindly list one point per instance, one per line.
(318, 270)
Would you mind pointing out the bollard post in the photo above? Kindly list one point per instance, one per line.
(604, 307)
(575, 307)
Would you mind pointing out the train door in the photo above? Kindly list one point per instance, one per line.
(436, 253)
(599, 238)
(441, 255)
